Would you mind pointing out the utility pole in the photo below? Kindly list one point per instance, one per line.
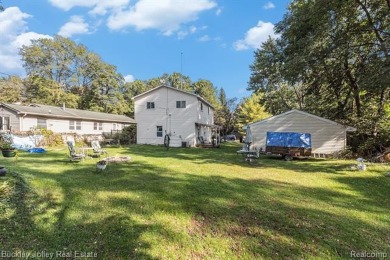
(181, 70)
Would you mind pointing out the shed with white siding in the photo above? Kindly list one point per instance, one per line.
(327, 136)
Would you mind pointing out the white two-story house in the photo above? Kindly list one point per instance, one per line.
(186, 117)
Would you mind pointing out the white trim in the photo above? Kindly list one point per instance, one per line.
(179, 90)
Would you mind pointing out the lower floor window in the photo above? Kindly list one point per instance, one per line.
(5, 123)
(159, 131)
(74, 125)
(42, 123)
(97, 126)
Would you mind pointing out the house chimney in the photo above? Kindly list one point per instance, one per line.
(63, 106)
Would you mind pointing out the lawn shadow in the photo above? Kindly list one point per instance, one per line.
(110, 213)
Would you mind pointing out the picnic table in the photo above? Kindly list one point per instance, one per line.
(249, 154)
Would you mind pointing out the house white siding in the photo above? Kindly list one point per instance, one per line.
(56, 119)
(327, 136)
(179, 123)
(27, 123)
(6, 115)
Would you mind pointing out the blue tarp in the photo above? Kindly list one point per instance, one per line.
(289, 139)
(36, 150)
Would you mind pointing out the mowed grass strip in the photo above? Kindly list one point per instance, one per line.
(193, 203)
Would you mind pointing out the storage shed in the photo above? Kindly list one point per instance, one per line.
(327, 136)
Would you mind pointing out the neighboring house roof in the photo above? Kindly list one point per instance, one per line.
(267, 120)
(69, 113)
(179, 90)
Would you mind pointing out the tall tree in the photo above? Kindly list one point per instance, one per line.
(334, 59)
(225, 112)
(250, 110)
(75, 70)
(206, 89)
(49, 92)
(11, 89)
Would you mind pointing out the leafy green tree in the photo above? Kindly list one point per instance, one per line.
(206, 90)
(269, 77)
(11, 89)
(225, 112)
(250, 110)
(75, 71)
(49, 92)
(331, 60)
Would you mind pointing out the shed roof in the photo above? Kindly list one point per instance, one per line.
(267, 120)
(179, 90)
(68, 113)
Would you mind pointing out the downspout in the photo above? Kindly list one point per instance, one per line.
(22, 121)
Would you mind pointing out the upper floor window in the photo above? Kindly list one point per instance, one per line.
(97, 126)
(150, 105)
(180, 104)
(74, 125)
(208, 110)
(201, 106)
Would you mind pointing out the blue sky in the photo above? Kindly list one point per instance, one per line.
(205, 39)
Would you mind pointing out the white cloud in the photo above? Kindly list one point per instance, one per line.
(164, 15)
(14, 34)
(255, 36)
(76, 25)
(129, 78)
(99, 7)
(269, 5)
(183, 33)
(102, 6)
(205, 38)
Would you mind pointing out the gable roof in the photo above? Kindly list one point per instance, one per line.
(347, 128)
(66, 113)
(176, 89)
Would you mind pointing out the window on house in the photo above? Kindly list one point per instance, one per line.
(114, 126)
(97, 126)
(208, 110)
(180, 104)
(74, 125)
(150, 105)
(5, 123)
(201, 106)
(159, 131)
(42, 124)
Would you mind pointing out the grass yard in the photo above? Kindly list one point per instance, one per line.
(189, 203)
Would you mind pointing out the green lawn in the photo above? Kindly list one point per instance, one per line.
(190, 203)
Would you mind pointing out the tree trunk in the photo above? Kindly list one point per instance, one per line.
(355, 88)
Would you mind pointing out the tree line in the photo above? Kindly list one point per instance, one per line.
(59, 71)
(331, 59)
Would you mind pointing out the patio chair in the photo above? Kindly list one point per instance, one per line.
(74, 156)
(97, 149)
